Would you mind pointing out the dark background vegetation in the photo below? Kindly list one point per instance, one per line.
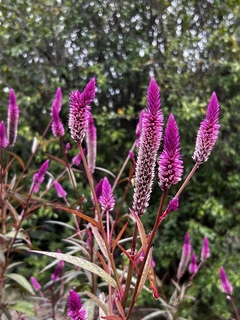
(192, 48)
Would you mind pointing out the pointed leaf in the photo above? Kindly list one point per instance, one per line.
(100, 241)
(120, 235)
(24, 307)
(20, 161)
(89, 306)
(103, 306)
(56, 159)
(87, 265)
(21, 280)
(141, 229)
(145, 272)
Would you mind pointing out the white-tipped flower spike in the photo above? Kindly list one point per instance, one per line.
(186, 254)
(226, 285)
(13, 114)
(205, 254)
(91, 144)
(193, 268)
(3, 137)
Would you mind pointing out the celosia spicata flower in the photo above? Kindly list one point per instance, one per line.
(75, 310)
(13, 114)
(39, 176)
(208, 132)
(226, 285)
(60, 191)
(91, 144)
(205, 254)
(57, 102)
(36, 285)
(186, 254)
(106, 199)
(3, 137)
(193, 268)
(58, 270)
(170, 163)
(57, 126)
(79, 111)
(149, 143)
(98, 190)
(78, 158)
(173, 205)
(68, 146)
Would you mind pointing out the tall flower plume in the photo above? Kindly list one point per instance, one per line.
(186, 254)
(170, 161)
(75, 309)
(80, 110)
(208, 132)
(13, 114)
(91, 144)
(106, 199)
(150, 138)
(3, 137)
(57, 126)
(193, 268)
(205, 254)
(39, 176)
(226, 285)
(57, 102)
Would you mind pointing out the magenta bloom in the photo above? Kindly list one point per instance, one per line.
(91, 144)
(57, 126)
(205, 250)
(170, 163)
(173, 205)
(57, 102)
(13, 114)
(39, 176)
(106, 199)
(60, 191)
(186, 254)
(208, 132)
(78, 158)
(226, 285)
(36, 285)
(75, 310)
(68, 146)
(193, 268)
(150, 138)
(3, 137)
(79, 111)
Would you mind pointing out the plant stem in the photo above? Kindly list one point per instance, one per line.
(235, 308)
(187, 180)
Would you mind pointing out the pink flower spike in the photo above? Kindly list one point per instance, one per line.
(186, 254)
(57, 102)
(173, 205)
(205, 250)
(36, 285)
(91, 144)
(208, 132)
(170, 161)
(193, 268)
(13, 114)
(60, 191)
(78, 158)
(39, 176)
(149, 143)
(107, 200)
(57, 126)
(79, 111)
(75, 310)
(68, 146)
(3, 137)
(226, 285)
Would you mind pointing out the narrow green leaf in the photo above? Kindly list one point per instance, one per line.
(103, 306)
(20, 280)
(24, 307)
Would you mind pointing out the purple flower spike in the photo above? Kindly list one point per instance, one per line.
(173, 205)
(60, 191)
(226, 285)
(91, 144)
(57, 102)
(75, 310)
(205, 250)
(3, 137)
(149, 143)
(170, 162)
(39, 176)
(186, 254)
(79, 111)
(193, 268)
(13, 114)
(36, 285)
(106, 199)
(57, 126)
(208, 132)
(78, 158)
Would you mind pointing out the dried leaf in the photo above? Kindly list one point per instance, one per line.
(100, 241)
(103, 306)
(19, 159)
(145, 272)
(120, 235)
(141, 229)
(56, 159)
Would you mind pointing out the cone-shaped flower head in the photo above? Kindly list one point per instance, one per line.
(226, 285)
(57, 126)
(193, 268)
(75, 310)
(13, 114)
(106, 199)
(150, 139)
(170, 163)
(36, 285)
(39, 176)
(91, 144)
(186, 254)
(205, 254)
(3, 137)
(57, 102)
(60, 191)
(208, 132)
(79, 111)
(173, 205)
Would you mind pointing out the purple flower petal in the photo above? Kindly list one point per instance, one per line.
(226, 285)
(193, 268)
(75, 311)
